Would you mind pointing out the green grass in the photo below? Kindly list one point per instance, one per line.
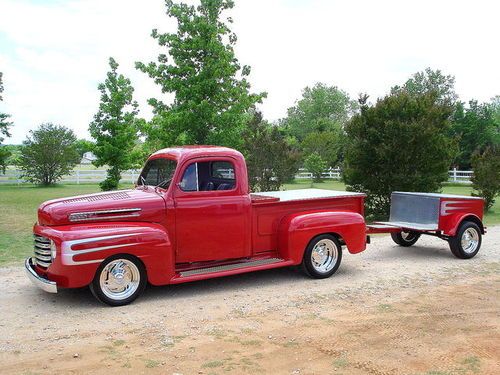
(18, 211)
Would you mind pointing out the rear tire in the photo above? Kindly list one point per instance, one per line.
(119, 280)
(405, 238)
(322, 256)
(467, 241)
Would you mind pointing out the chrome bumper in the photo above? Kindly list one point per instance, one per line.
(48, 286)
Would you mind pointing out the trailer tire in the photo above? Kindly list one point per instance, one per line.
(406, 239)
(322, 256)
(119, 280)
(467, 241)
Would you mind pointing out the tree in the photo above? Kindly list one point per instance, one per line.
(322, 108)
(212, 93)
(475, 127)
(5, 124)
(430, 80)
(328, 145)
(48, 153)
(114, 127)
(486, 178)
(400, 143)
(271, 160)
(315, 164)
(83, 146)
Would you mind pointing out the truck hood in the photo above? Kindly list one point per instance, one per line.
(123, 205)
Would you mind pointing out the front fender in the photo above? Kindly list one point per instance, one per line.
(297, 230)
(82, 248)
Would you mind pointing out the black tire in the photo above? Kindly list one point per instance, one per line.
(312, 267)
(406, 239)
(139, 274)
(467, 228)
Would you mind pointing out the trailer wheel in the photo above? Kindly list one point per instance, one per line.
(119, 280)
(467, 241)
(322, 256)
(405, 238)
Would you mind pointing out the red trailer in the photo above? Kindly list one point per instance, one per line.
(191, 217)
(454, 218)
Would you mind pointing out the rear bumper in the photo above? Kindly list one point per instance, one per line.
(42, 283)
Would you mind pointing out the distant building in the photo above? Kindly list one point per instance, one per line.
(88, 158)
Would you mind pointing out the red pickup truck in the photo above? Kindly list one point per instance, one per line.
(192, 217)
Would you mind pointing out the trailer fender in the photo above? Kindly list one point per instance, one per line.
(454, 222)
(297, 230)
(82, 248)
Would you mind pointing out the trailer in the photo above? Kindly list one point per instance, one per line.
(453, 218)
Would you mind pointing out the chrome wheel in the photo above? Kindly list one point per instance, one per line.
(119, 279)
(470, 240)
(324, 255)
(407, 236)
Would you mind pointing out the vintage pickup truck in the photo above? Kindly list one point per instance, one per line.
(192, 217)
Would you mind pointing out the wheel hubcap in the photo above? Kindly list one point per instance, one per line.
(407, 236)
(119, 279)
(324, 255)
(470, 240)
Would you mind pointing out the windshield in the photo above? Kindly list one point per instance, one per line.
(158, 172)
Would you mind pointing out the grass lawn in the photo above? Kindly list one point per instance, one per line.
(18, 210)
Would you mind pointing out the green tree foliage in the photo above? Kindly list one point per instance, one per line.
(48, 153)
(5, 124)
(315, 164)
(212, 93)
(475, 127)
(400, 143)
(83, 146)
(486, 179)
(327, 144)
(114, 127)
(430, 81)
(271, 160)
(322, 108)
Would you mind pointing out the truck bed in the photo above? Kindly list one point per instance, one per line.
(269, 208)
(299, 195)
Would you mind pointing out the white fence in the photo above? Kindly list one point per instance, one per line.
(455, 175)
(78, 176)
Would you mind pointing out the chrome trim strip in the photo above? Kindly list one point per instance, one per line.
(42, 252)
(42, 246)
(45, 258)
(67, 251)
(41, 263)
(77, 216)
(447, 207)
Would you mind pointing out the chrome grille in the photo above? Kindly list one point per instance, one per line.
(42, 251)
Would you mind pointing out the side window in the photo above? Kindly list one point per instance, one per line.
(208, 176)
(189, 180)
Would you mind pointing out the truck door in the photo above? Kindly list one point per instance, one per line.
(212, 212)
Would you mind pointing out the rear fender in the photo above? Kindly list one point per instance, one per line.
(454, 222)
(82, 248)
(297, 230)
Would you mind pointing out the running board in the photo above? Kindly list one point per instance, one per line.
(230, 267)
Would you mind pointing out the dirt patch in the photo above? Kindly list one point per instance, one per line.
(387, 311)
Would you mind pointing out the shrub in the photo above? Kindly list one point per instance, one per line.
(486, 179)
(315, 164)
(400, 143)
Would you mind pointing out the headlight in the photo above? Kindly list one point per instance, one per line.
(53, 250)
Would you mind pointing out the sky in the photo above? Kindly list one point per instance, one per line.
(53, 53)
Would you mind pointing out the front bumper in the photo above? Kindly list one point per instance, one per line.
(42, 283)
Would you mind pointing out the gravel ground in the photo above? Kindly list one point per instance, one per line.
(388, 310)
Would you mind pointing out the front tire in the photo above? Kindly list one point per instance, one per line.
(119, 280)
(405, 238)
(467, 241)
(322, 256)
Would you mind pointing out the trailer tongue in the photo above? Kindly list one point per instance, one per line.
(454, 218)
